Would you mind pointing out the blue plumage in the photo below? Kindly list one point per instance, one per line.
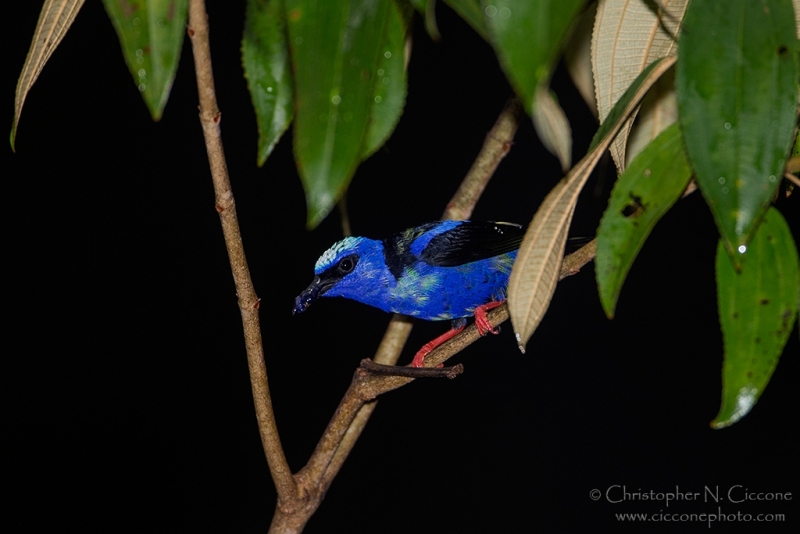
(437, 271)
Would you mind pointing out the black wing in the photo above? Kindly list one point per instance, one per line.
(472, 241)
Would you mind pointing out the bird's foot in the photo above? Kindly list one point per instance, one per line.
(482, 322)
(419, 358)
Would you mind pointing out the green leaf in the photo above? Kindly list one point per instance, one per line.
(266, 67)
(649, 186)
(421, 5)
(757, 310)
(737, 89)
(427, 8)
(390, 84)
(472, 12)
(336, 50)
(528, 37)
(151, 34)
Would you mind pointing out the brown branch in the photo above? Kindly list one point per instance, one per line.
(378, 369)
(495, 147)
(792, 178)
(571, 265)
(226, 207)
(394, 339)
(358, 402)
(299, 496)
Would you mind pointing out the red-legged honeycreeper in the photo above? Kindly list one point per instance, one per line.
(438, 271)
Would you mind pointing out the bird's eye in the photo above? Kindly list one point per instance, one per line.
(346, 265)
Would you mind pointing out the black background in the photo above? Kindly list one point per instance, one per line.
(126, 399)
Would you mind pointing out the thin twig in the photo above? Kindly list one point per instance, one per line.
(495, 147)
(226, 207)
(571, 265)
(410, 372)
(358, 402)
(394, 339)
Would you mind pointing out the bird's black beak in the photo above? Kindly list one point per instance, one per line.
(311, 293)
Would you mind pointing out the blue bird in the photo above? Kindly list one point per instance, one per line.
(445, 270)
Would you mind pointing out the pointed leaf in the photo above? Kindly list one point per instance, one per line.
(578, 57)
(427, 8)
(627, 37)
(151, 34)
(659, 109)
(737, 90)
(335, 52)
(552, 126)
(389, 94)
(651, 184)
(647, 78)
(54, 20)
(472, 12)
(528, 37)
(757, 310)
(535, 273)
(266, 67)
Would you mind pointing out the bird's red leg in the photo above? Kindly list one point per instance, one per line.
(419, 358)
(484, 327)
(481, 322)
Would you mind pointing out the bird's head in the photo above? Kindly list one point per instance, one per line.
(347, 269)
